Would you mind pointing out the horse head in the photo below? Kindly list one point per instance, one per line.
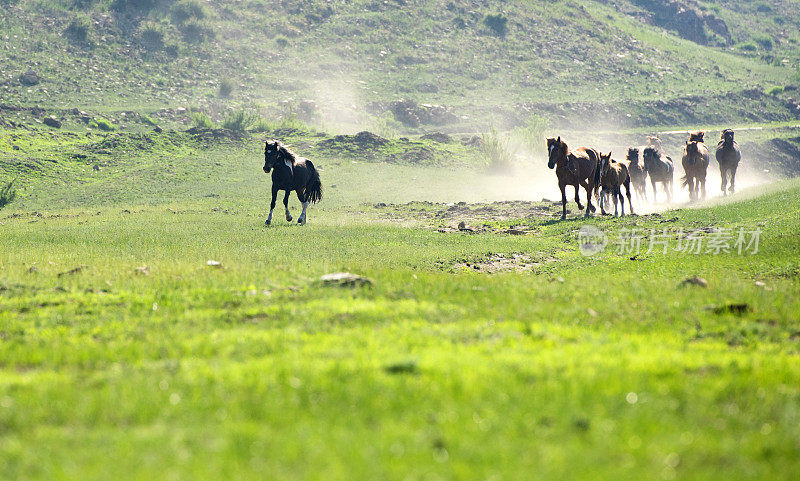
(649, 156)
(273, 156)
(633, 155)
(556, 151)
(654, 141)
(605, 162)
(727, 136)
(696, 136)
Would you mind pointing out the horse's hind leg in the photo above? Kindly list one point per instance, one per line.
(617, 197)
(563, 201)
(303, 198)
(578, 197)
(653, 183)
(733, 179)
(286, 206)
(272, 204)
(724, 186)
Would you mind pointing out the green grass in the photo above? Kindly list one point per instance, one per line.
(586, 368)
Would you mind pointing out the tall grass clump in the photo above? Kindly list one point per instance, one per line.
(497, 24)
(201, 120)
(8, 193)
(152, 36)
(79, 30)
(496, 150)
(186, 10)
(226, 87)
(240, 120)
(532, 133)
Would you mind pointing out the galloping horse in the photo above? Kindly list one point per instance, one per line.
(613, 175)
(695, 166)
(728, 157)
(580, 167)
(659, 170)
(290, 172)
(637, 173)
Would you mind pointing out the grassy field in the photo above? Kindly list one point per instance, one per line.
(470, 356)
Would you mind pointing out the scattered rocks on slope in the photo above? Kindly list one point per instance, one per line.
(29, 78)
(52, 122)
(345, 279)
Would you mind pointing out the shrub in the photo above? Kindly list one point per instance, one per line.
(186, 10)
(141, 6)
(7, 194)
(226, 88)
(172, 50)
(201, 120)
(79, 29)
(239, 120)
(498, 24)
(281, 41)
(496, 151)
(764, 41)
(152, 36)
(195, 32)
(777, 90)
(102, 124)
(762, 7)
(532, 133)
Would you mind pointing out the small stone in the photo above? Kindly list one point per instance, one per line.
(345, 279)
(214, 264)
(142, 271)
(695, 281)
(52, 122)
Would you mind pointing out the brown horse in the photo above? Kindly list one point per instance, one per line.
(579, 167)
(613, 175)
(728, 157)
(695, 166)
(637, 173)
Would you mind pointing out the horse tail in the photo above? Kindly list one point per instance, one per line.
(313, 189)
(685, 181)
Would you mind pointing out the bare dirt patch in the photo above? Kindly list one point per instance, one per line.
(471, 218)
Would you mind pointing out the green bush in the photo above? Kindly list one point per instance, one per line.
(195, 31)
(498, 24)
(102, 124)
(496, 151)
(186, 10)
(747, 46)
(532, 133)
(239, 120)
(7, 194)
(79, 29)
(201, 120)
(152, 36)
(281, 41)
(137, 6)
(763, 41)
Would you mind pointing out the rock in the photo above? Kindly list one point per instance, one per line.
(74, 270)
(157, 129)
(214, 264)
(345, 279)
(52, 122)
(29, 78)
(695, 281)
(142, 271)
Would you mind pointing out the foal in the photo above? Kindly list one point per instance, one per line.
(613, 175)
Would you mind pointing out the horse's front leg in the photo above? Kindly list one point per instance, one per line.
(272, 204)
(286, 206)
(563, 188)
(733, 179)
(653, 183)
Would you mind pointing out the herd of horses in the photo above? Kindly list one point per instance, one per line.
(600, 174)
(604, 177)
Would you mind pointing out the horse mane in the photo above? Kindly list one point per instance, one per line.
(285, 153)
(651, 151)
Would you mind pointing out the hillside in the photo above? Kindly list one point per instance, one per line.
(345, 63)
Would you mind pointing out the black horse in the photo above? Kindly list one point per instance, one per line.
(660, 169)
(290, 172)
